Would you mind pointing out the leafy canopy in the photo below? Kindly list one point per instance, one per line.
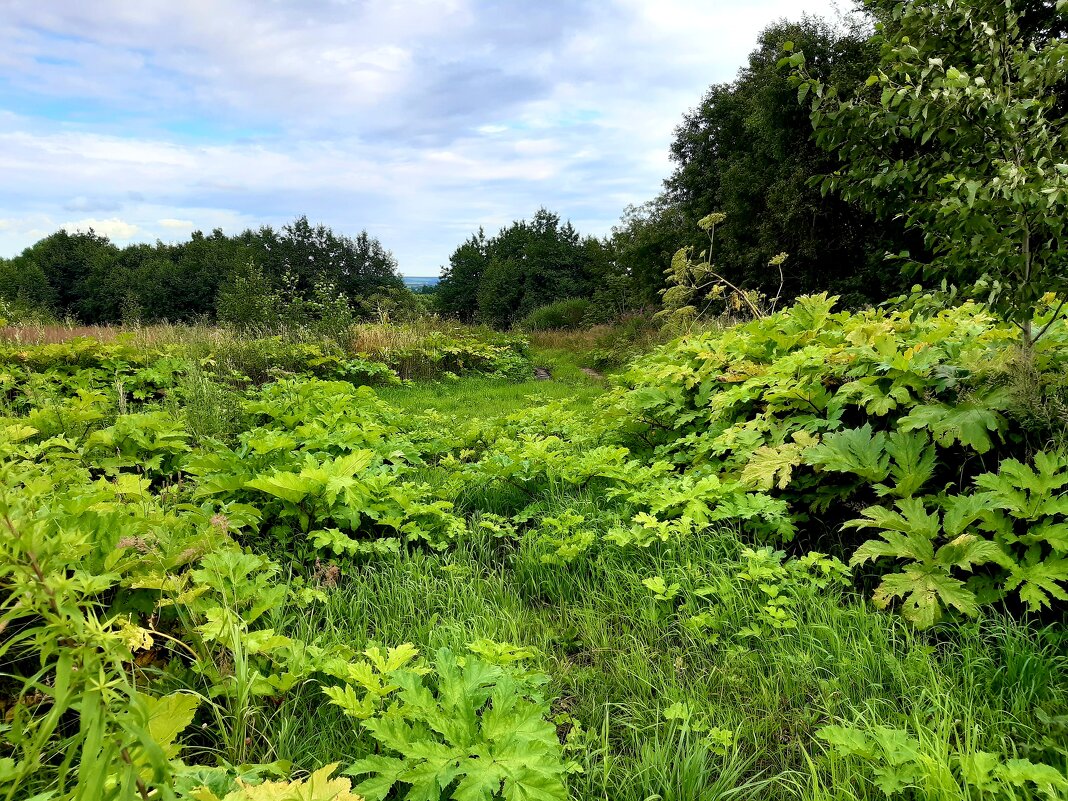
(960, 133)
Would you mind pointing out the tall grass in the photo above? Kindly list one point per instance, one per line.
(618, 659)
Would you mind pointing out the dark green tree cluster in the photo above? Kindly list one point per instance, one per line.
(961, 132)
(527, 265)
(748, 151)
(85, 276)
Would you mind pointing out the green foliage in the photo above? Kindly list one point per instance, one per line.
(247, 301)
(468, 729)
(925, 585)
(219, 579)
(17, 312)
(561, 315)
(694, 287)
(528, 265)
(1020, 508)
(811, 409)
(747, 150)
(319, 786)
(900, 762)
(642, 242)
(76, 554)
(960, 132)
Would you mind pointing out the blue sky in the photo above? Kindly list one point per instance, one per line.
(418, 120)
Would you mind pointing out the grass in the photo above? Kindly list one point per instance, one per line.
(477, 397)
(618, 659)
(485, 398)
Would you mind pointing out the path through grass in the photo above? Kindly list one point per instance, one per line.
(698, 692)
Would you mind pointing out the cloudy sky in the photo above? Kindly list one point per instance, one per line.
(419, 120)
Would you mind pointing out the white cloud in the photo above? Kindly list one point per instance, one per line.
(112, 228)
(417, 120)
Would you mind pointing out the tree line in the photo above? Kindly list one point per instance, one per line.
(211, 276)
(746, 149)
(819, 155)
(954, 171)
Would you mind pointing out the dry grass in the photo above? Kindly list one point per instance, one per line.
(638, 335)
(373, 339)
(54, 334)
(145, 336)
(581, 340)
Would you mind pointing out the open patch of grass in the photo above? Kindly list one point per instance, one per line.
(483, 398)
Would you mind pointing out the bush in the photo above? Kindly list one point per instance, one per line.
(566, 314)
(427, 349)
(912, 419)
(20, 313)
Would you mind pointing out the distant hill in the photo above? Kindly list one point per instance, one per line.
(417, 281)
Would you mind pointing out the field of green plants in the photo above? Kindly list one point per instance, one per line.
(816, 555)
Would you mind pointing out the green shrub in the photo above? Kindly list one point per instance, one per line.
(563, 314)
(898, 414)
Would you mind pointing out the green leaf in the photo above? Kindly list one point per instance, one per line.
(977, 769)
(1039, 581)
(857, 451)
(912, 462)
(908, 533)
(287, 486)
(660, 588)
(848, 741)
(1020, 772)
(168, 716)
(967, 423)
(923, 592)
(961, 511)
(968, 550)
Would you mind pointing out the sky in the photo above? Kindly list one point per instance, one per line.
(419, 121)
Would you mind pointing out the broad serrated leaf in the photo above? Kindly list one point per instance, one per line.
(1020, 772)
(287, 486)
(968, 550)
(969, 423)
(168, 716)
(912, 462)
(857, 451)
(1039, 581)
(923, 592)
(961, 511)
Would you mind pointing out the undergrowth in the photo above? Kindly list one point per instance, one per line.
(818, 555)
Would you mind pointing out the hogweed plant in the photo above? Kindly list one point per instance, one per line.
(695, 287)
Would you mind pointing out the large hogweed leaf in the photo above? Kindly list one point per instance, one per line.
(926, 583)
(970, 423)
(912, 463)
(319, 786)
(1029, 493)
(774, 466)
(1038, 580)
(858, 451)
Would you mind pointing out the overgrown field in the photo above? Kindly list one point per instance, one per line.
(820, 555)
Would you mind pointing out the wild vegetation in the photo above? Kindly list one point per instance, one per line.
(215, 583)
(788, 537)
